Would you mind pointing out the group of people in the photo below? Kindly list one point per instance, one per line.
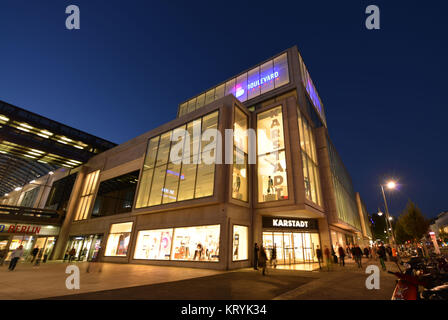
(261, 258)
(355, 252)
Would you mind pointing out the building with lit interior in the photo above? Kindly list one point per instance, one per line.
(139, 205)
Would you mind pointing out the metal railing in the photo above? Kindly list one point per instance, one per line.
(15, 213)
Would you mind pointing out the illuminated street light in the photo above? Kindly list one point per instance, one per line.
(380, 213)
(391, 185)
(391, 218)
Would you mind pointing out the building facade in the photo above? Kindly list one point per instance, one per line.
(276, 180)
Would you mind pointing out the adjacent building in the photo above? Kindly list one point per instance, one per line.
(277, 180)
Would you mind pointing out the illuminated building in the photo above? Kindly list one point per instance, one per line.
(141, 205)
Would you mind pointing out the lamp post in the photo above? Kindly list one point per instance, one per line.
(390, 185)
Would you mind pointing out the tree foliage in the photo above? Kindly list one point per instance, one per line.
(412, 224)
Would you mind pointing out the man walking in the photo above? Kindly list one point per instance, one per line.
(319, 256)
(358, 256)
(327, 257)
(34, 254)
(256, 250)
(15, 256)
(341, 256)
(274, 256)
(381, 252)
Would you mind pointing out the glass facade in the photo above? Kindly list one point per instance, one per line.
(118, 240)
(271, 157)
(344, 193)
(309, 158)
(115, 195)
(173, 169)
(240, 149)
(29, 197)
(60, 193)
(87, 194)
(259, 80)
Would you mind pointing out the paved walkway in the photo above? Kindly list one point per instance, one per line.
(128, 281)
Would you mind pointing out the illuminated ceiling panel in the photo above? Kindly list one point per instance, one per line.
(32, 145)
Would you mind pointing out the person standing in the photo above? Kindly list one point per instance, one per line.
(319, 256)
(341, 256)
(256, 250)
(382, 256)
(274, 256)
(39, 257)
(327, 257)
(262, 259)
(15, 256)
(71, 255)
(34, 254)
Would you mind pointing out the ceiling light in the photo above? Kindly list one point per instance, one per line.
(2, 117)
(18, 189)
(26, 125)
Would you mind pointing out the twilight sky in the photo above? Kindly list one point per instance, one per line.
(125, 71)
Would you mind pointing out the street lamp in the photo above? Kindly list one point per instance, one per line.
(391, 185)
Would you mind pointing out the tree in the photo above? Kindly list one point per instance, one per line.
(414, 224)
(378, 227)
(401, 236)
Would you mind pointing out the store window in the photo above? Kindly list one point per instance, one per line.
(309, 161)
(87, 195)
(240, 243)
(154, 244)
(165, 178)
(118, 241)
(196, 243)
(115, 195)
(240, 150)
(271, 165)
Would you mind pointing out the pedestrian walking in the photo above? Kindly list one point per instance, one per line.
(381, 252)
(262, 260)
(15, 256)
(274, 256)
(71, 255)
(358, 256)
(39, 257)
(319, 256)
(341, 256)
(256, 250)
(95, 262)
(3, 254)
(34, 254)
(327, 257)
(366, 252)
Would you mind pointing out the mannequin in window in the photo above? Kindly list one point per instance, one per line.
(238, 183)
(270, 185)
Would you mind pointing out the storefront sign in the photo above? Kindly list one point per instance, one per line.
(28, 229)
(290, 223)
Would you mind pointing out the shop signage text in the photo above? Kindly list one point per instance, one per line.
(304, 224)
(19, 229)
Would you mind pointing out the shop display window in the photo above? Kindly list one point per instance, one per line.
(118, 241)
(240, 243)
(271, 165)
(196, 243)
(154, 244)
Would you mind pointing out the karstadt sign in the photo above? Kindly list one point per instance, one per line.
(290, 223)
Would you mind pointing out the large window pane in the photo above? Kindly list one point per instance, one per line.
(272, 178)
(196, 243)
(205, 180)
(281, 70)
(151, 153)
(266, 77)
(210, 96)
(240, 130)
(191, 105)
(171, 183)
(253, 83)
(239, 177)
(154, 244)
(155, 197)
(144, 189)
(118, 240)
(164, 149)
(270, 131)
(219, 93)
(241, 87)
(200, 101)
(187, 182)
(240, 243)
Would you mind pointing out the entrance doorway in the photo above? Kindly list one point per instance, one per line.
(292, 247)
(86, 247)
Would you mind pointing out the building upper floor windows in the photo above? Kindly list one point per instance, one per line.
(87, 195)
(271, 157)
(240, 150)
(115, 195)
(248, 85)
(173, 174)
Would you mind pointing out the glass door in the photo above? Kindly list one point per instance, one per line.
(268, 243)
(298, 248)
(289, 249)
(278, 240)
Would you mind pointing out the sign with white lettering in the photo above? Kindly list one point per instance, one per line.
(290, 223)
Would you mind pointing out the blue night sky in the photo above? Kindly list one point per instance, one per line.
(125, 71)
